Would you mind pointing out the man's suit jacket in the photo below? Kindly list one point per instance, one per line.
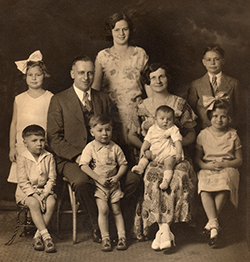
(66, 127)
(202, 87)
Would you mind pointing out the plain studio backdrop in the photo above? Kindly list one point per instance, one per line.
(174, 32)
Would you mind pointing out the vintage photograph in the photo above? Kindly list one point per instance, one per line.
(124, 130)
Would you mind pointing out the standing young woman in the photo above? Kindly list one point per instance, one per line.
(117, 72)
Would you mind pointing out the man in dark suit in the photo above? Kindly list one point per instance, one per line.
(68, 134)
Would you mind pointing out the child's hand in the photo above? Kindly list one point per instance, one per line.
(103, 181)
(220, 165)
(78, 159)
(113, 180)
(13, 154)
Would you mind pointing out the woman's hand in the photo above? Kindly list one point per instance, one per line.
(13, 154)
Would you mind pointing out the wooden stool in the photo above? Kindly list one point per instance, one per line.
(27, 223)
(74, 208)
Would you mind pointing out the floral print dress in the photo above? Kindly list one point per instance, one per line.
(176, 203)
(121, 80)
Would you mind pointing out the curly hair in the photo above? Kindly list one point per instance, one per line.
(110, 24)
(145, 77)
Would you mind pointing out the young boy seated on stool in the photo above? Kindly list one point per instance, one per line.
(36, 176)
(105, 163)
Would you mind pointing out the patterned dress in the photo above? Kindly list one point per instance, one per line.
(174, 204)
(122, 82)
(219, 149)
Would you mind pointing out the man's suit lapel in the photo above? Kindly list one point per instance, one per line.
(74, 104)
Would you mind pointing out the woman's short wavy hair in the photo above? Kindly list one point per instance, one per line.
(110, 24)
(152, 68)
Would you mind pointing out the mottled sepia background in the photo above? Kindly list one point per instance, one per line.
(171, 31)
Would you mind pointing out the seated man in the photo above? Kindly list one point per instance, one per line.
(68, 133)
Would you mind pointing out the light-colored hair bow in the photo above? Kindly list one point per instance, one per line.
(35, 57)
(208, 101)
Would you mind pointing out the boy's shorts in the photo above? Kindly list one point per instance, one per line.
(113, 194)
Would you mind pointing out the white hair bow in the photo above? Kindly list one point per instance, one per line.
(35, 56)
(208, 101)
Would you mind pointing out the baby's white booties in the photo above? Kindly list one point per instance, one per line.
(139, 169)
(167, 176)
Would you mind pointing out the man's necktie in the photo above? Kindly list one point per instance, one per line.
(214, 83)
(86, 101)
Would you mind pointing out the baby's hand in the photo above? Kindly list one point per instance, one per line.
(178, 158)
(13, 154)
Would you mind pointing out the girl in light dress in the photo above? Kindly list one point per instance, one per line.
(30, 107)
(219, 154)
(117, 72)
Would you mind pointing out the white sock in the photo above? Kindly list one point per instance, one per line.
(37, 234)
(45, 234)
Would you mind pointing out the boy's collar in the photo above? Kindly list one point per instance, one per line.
(218, 75)
(99, 145)
(26, 153)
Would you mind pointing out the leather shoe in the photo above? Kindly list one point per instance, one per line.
(213, 241)
(205, 232)
(38, 244)
(122, 245)
(106, 245)
(97, 236)
(49, 246)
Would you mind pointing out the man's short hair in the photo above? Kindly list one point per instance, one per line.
(81, 58)
(33, 130)
(101, 120)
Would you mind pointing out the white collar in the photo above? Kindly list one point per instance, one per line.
(81, 93)
(218, 76)
(26, 153)
(99, 146)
